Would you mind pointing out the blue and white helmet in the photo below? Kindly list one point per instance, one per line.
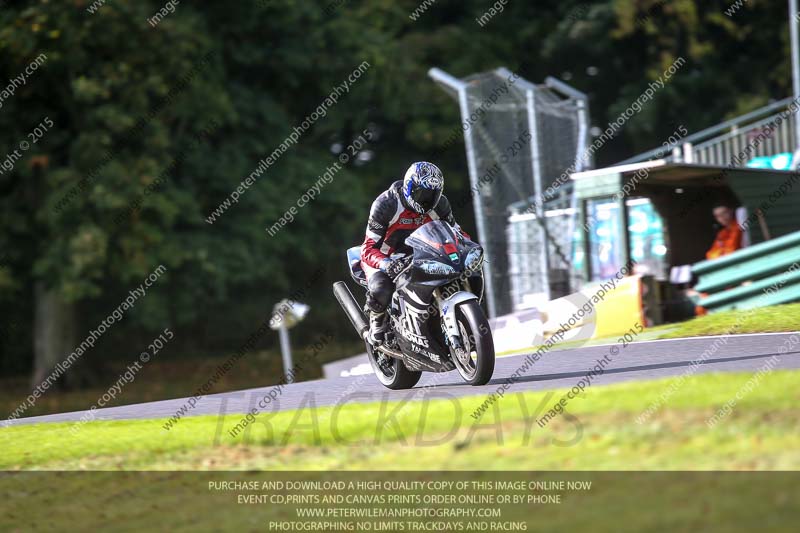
(422, 186)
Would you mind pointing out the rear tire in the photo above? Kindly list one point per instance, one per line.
(393, 375)
(478, 342)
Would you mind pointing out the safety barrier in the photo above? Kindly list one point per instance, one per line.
(758, 276)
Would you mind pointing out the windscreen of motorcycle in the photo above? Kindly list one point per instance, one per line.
(436, 240)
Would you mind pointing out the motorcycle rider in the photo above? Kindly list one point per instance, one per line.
(395, 214)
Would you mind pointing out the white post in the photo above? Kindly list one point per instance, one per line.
(460, 88)
(286, 352)
(477, 203)
(688, 153)
(538, 202)
(795, 67)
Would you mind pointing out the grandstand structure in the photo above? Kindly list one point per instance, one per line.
(524, 143)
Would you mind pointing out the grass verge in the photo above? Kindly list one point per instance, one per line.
(774, 319)
(600, 432)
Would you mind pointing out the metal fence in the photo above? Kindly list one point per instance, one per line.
(520, 138)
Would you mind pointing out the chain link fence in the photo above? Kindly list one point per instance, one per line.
(520, 138)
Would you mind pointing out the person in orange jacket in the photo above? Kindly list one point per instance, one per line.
(729, 238)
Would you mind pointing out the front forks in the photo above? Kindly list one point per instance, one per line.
(447, 310)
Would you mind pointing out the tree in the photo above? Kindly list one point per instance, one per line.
(120, 106)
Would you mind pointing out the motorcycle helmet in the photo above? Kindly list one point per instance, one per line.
(422, 186)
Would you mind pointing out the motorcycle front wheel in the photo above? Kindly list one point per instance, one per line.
(391, 372)
(475, 362)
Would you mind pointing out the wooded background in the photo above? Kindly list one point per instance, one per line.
(221, 84)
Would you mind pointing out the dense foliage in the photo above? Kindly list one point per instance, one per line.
(189, 108)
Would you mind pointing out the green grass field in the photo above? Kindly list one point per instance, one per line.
(774, 319)
(601, 432)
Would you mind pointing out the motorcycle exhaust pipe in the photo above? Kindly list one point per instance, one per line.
(351, 308)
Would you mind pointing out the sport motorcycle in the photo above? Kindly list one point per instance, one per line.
(436, 320)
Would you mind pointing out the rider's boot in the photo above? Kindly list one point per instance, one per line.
(378, 327)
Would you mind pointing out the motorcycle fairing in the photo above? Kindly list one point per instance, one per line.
(418, 334)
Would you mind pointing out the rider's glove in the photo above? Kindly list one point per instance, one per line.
(385, 264)
(394, 267)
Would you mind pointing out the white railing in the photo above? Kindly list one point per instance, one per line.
(733, 142)
(727, 149)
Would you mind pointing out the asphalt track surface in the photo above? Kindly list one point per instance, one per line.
(639, 361)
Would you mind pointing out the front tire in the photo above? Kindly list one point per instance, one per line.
(476, 363)
(392, 373)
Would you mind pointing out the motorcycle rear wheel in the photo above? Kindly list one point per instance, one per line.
(393, 374)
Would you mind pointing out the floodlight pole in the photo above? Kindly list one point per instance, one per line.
(795, 69)
(286, 352)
